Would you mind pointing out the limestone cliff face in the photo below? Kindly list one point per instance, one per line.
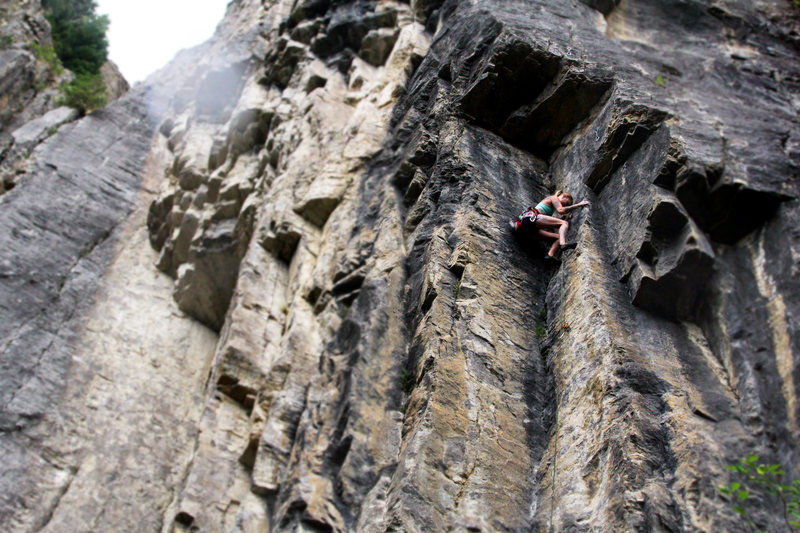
(276, 290)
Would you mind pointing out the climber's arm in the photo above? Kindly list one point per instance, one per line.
(561, 209)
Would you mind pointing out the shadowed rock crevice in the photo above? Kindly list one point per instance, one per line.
(282, 239)
(533, 98)
(515, 73)
(723, 208)
(603, 6)
(731, 210)
(628, 127)
(540, 126)
(674, 264)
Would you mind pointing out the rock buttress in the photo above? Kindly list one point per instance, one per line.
(403, 381)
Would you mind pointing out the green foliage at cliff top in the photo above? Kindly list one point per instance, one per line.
(79, 34)
(79, 38)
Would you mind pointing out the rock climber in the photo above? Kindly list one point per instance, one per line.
(542, 219)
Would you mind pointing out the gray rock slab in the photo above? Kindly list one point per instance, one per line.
(52, 229)
(35, 131)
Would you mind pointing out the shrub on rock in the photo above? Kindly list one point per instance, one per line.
(85, 93)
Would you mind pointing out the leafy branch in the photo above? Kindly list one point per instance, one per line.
(764, 479)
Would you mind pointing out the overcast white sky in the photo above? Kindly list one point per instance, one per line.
(145, 34)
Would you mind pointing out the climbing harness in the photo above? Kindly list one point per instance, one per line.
(528, 217)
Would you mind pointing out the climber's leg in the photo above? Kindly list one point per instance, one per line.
(548, 223)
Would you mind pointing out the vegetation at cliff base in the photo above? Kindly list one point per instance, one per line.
(761, 485)
(84, 93)
(79, 39)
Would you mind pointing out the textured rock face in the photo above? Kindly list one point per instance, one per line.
(27, 83)
(329, 185)
(29, 88)
(115, 82)
(81, 362)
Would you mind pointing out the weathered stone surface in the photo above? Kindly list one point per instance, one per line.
(96, 197)
(334, 203)
(19, 157)
(377, 45)
(35, 131)
(79, 374)
(115, 82)
(27, 85)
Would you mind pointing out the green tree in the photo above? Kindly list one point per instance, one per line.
(79, 39)
(79, 34)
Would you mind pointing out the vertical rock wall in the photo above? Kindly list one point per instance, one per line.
(101, 375)
(329, 185)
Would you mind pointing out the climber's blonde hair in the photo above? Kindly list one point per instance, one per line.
(567, 195)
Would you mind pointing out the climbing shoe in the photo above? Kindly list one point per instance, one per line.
(569, 246)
